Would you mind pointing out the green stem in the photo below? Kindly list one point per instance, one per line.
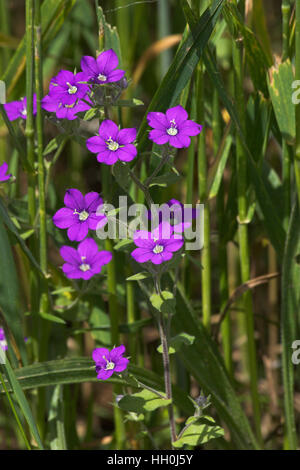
(243, 238)
(223, 281)
(15, 413)
(202, 178)
(285, 10)
(297, 77)
(29, 130)
(115, 339)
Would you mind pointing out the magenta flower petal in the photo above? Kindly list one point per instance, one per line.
(126, 136)
(89, 66)
(157, 120)
(107, 157)
(4, 176)
(104, 374)
(122, 364)
(74, 199)
(69, 254)
(115, 75)
(77, 231)
(159, 137)
(142, 255)
(116, 352)
(180, 141)
(107, 61)
(178, 114)
(87, 248)
(108, 129)
(64, 217)
(191, 128)
(98, 354)
(95, 144)
(127, 154)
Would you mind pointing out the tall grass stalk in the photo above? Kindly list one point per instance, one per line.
(222, 252)
(14, 411)
(297, 77)
(202, 181)
(287, 151)
(241, 160)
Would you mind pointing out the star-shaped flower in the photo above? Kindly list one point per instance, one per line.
(80, 214)
(108, 362)
(84, 262)
(103, 68)
(156, 246)
(113, 144)
(18, 109)
(174, 127)
(67, 87)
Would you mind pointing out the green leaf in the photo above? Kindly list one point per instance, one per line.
(139, 276)
(164, 303)
(90, 114)
(129, 103)
(123, 244)
(290, 307)
(22, 402)
(56, 420)
(217, 170)
(143, 401)
(9, 292)
(10, 225)
(197, 434)
(280, 86)
(121, 173)
(82, 369)
(165, 180)
(177, 342)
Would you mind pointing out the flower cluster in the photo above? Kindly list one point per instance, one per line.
(108, 362)
(80, 215)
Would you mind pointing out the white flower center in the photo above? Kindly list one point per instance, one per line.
(83, 215)
(158, 249)
(102, 78)
(112, 145)
(24, 112)
(84, 267)
(72, 89)
(173, 129)
(109, 365)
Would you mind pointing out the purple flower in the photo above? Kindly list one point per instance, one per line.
(3, 171)
(108, 362)
(174, 127)
(174, 212)
(113, 144)
(67, 88)
(65, 111)
(3, 343)
(102, 70)
(156, 246)
(80, 214)
(18, 109)
(84, 262)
